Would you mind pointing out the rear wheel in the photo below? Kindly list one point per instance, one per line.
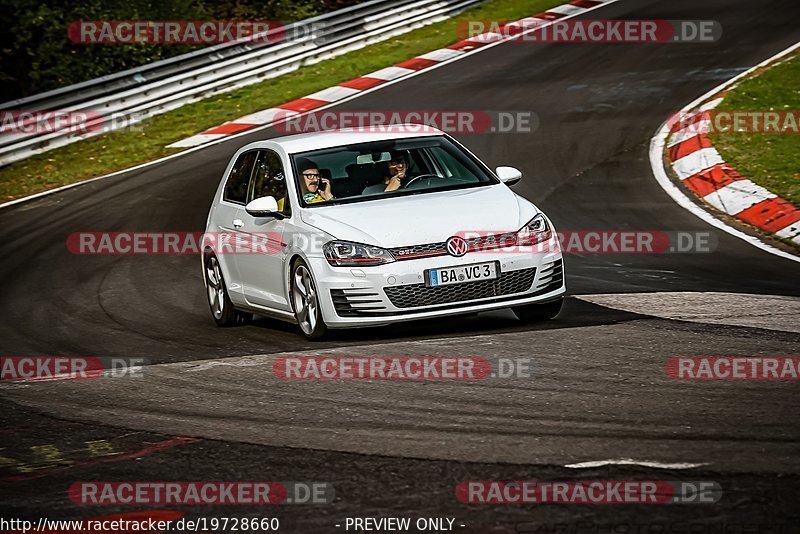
(534, 313)
(218, 300)
(305, 302)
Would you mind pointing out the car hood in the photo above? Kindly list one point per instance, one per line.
(423, 218)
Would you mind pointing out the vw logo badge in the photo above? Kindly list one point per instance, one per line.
(456, 246)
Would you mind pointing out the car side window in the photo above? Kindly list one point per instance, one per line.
(269, 180)
(236, 186)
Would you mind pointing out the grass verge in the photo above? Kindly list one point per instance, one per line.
(769, 159)
(118, 150)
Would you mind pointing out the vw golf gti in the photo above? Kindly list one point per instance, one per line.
(352, 228)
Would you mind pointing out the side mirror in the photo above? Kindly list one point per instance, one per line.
(264, 207)
(508, 175)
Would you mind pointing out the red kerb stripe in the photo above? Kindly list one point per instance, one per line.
(710, 180)
(362, 83)
(772, 215)
(230, 128)
(303, 104)
(691, 145)
(417, 63)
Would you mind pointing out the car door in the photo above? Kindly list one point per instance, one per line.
(261, 265)
(227, 218)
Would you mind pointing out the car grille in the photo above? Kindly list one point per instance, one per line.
(415, 295)
(491, 241)
(419, 251)
(479, 243)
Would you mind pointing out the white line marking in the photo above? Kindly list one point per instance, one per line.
(657, 164)
(262, 117)
(696, 162)
(443, 54)
(627, 461)
(390, 73)
(532, 21)
(736, 197)
(566, 9)
(488, 37)
(793, 230)
(197, 139)
(711, 104)
(332, 94)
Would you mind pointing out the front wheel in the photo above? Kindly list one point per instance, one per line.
(305, 302)
(534, 313)
(218, 300)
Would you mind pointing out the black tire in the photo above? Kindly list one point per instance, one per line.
(305, 302)
(219, 302)
(534, 313)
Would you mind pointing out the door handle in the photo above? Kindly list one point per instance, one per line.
(238, 223)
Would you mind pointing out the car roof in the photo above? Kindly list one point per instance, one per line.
(305, 142)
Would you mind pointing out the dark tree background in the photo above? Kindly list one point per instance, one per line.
(36, 54)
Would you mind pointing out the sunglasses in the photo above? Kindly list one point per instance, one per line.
(310, 175)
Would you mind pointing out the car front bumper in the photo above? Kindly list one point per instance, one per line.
(352, 297)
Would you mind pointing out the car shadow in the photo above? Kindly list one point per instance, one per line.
(576, 313)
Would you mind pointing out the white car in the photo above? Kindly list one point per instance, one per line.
(352, 228)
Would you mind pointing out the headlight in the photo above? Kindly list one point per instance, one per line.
(535, 231)
(347, 254)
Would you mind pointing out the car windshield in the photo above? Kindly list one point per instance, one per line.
(384, 169)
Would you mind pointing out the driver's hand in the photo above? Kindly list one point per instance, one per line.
(395, 183)
(327, 194)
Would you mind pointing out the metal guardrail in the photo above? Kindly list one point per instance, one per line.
(137, 94)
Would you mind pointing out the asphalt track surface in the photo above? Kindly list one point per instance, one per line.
(599, 390)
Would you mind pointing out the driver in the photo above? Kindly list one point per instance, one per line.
(313, 187)
(398, 166)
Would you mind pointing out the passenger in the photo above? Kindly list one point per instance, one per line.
(313, 186)
(398, 166)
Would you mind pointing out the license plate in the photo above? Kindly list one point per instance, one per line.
(461, 274)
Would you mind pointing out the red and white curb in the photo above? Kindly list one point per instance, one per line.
(349, 89)
(701, 169)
